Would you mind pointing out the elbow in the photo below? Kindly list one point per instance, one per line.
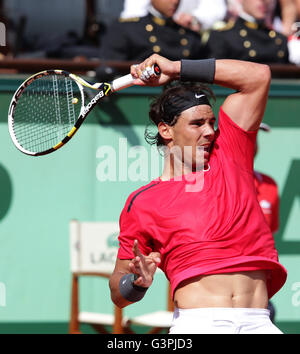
(115, 295)
(267, 73)
(263, 76)
(258, 79)
(118, 300)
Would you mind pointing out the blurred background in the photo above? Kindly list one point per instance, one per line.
(40, 196)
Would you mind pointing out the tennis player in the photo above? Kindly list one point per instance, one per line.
(215, 246)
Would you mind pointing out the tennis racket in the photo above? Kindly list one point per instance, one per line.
(50, 106)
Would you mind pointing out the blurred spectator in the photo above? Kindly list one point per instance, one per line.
(200, 14)
(285, 14)
(268, 198)
(249, 37)
(267, 192)
(294, 40)
(281, 16)
(235, 8)
(193, 14)
(134, 39)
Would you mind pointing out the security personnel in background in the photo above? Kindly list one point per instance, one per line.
(137, 38)
(248, 37)
(267, 192)
(269, 200)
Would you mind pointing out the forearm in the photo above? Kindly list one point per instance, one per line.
(235, 74)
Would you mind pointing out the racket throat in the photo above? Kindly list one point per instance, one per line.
(104, 90)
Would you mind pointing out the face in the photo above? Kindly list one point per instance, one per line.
(166, 7)
(195, 131)
(259, 9)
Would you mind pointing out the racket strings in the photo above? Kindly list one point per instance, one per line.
(46, 111)
(70, 98)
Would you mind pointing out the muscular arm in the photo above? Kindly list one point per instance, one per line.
(246, 107)
(250, 80)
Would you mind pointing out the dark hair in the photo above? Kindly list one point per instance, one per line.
(157, 113)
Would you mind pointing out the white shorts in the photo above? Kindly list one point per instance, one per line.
(219, 320)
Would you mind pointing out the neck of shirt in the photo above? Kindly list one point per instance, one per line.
(155, 13)
(247, 17)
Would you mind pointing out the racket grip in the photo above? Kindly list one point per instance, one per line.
(122, 82)
(127, 80)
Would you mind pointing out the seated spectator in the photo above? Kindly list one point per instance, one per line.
(135, 39)
(200, 14)
(269, 200)
(281, 15)
(249, 37)
(267, 192)
(193, 14)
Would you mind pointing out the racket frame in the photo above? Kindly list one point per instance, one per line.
(104, 90)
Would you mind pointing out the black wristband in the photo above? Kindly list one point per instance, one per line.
(129, 290)
(198, 70)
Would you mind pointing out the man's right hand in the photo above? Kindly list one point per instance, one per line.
(170, 70)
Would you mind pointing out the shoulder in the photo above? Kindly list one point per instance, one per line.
(119, 27)
(223, 28)
(141, 196)
(129, 20)
(136, 20)
(134, 24)
(125, 23)
(220, 30)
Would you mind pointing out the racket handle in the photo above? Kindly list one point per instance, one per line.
(122, 82)
(127, 80)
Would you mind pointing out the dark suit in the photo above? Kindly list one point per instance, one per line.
(247, 41)
(137, 38)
